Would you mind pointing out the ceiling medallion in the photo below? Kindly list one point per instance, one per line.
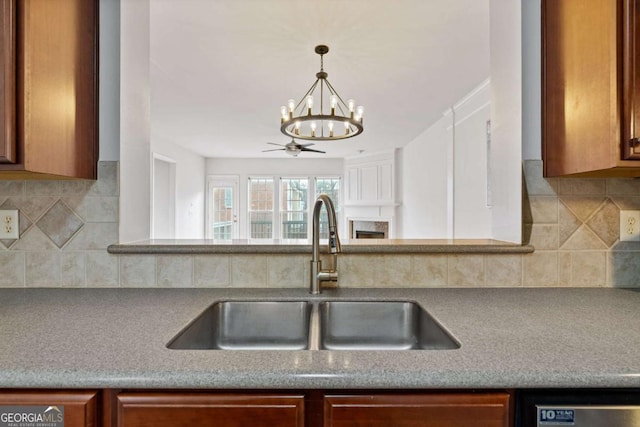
(342, 120)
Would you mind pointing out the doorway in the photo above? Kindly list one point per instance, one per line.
(163, 207)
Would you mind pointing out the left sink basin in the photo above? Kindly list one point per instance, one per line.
(248, 325)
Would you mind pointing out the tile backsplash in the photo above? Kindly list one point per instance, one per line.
(66, 226)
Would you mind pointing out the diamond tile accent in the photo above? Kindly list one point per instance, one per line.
(583, 206)
(33, 207)
(583, 239)
(60, 223)
(606, 223)
(568, 222)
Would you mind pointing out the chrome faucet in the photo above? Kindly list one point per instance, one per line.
(317, 274)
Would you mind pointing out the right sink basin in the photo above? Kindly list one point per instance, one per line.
(380, 325)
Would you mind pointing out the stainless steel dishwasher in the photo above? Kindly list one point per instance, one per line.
(578, 408)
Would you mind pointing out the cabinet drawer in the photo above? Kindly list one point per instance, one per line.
(221, 410)
(414, 410)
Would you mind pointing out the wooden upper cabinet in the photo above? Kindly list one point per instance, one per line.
(7, 82)
(590, 88)
(631, 79)
(415, 410)
(57, 88)
(179, 409)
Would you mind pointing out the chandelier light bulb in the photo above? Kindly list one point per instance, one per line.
(312, 125)
(352, 105)
(292, 105)
(346, 128)
(309, 103)
(284, 112)
(359, 112)
(297, 128)
(330, 126)
(334, 102)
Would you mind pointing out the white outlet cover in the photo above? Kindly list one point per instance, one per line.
(630, 226)
(9, 225)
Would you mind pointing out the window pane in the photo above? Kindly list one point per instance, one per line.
(294, 201)
(261, 208)
(331, 187)
(261, 225)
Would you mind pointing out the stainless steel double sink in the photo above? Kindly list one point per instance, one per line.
(314, 325)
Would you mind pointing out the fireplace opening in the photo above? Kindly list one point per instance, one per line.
(368, 229)
(365, 234)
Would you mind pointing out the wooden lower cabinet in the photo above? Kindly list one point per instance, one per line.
(415, 410)
(312, 409)
(175, 409)
(80, 408)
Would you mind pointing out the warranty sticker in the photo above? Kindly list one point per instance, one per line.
(556, 417)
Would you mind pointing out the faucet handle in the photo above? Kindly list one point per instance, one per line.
(328, 276)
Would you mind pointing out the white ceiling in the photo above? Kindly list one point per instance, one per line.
(221, 69)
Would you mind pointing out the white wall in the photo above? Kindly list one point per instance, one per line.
(135, 140)
(287, 167)
(109, 84)
(444, 174)
(190, 186)
(506, 120)
(471, 214)
(425, 174)
(531, 80)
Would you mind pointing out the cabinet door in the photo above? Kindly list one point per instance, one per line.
(581, 86)
(7, 81)
(58, 86)
(220, 410)
(78, 407)
(415, 410)
(631, 79)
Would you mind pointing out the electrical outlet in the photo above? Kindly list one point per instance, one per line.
(9, 226)
(630, 226)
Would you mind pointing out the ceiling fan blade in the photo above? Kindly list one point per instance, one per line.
(306, 145)
(273, 143)
(275, 149)
(312, 150)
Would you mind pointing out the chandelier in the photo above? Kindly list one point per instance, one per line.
(340, 121)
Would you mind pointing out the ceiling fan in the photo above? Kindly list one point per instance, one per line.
(293, 148)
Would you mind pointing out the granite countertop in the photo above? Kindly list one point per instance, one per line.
(513, 338)
(356, 246)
